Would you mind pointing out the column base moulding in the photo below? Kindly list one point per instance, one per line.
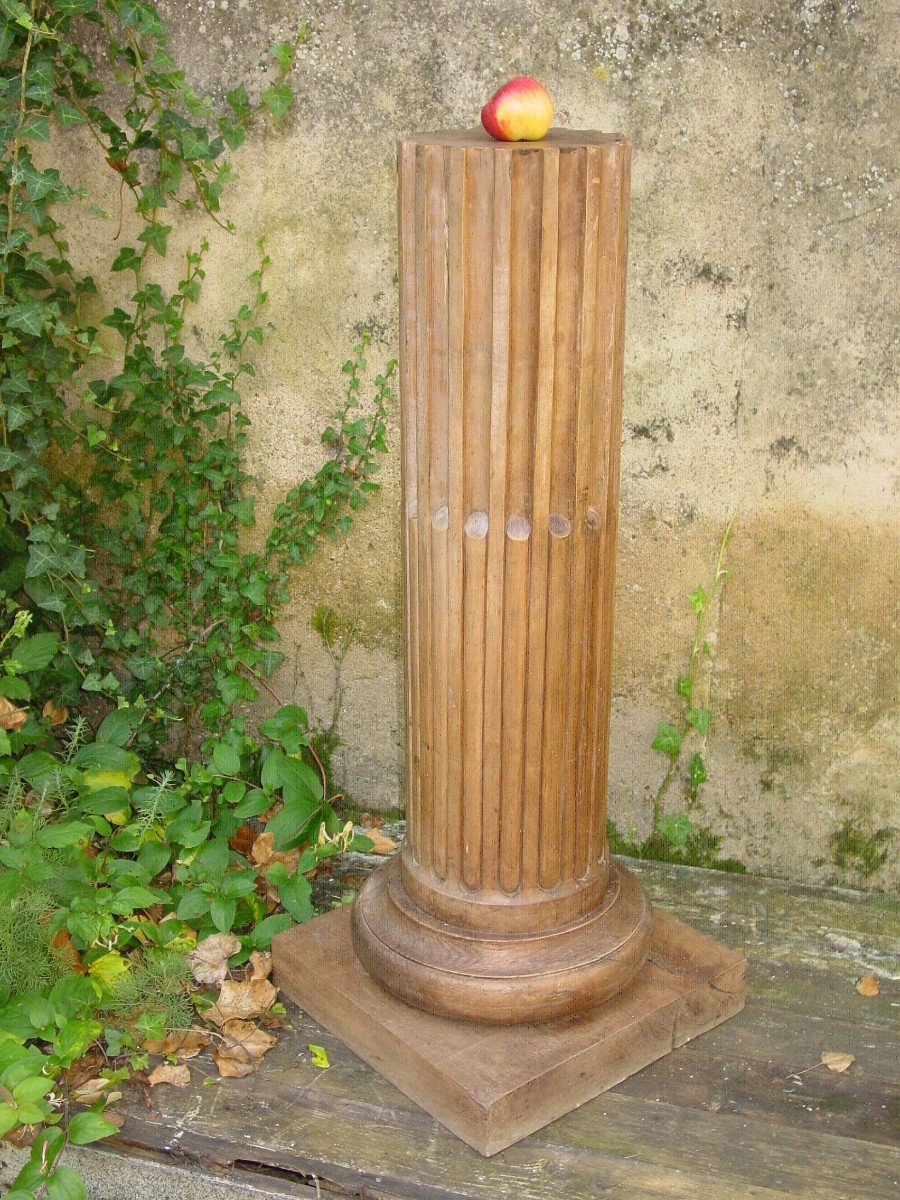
(492, 1084)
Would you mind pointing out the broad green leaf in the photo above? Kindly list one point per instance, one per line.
(35, 653)
(668, 740)
(319, 1056)
(66, 1184)
(222, 913)
(117, 727)
(225, 759)
(277, 99)
(87, 1127)
(700, 719)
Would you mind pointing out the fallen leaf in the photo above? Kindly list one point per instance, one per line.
(260, 965)
(184, 1044)
(264, 853)
(371, 820)
(58, 716)
(109, 969)
(246, 1040)
(64, 943)
(11, 718)
(242, 1000)
(209, 959)
(319, 1056)
(868, 985)
(243, 839)
(86, 1069)
(232, 1066)
(262, 848)
(178, 1076)
(381, 843)
(91, 1091)
(837, 1060)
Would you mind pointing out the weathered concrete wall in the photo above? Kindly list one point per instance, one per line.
(760, 373)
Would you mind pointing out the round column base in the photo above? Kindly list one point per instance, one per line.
(500, 979)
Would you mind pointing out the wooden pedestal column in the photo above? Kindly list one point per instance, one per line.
(504, 906)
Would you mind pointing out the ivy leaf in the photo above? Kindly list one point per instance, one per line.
(36, 128)
(127, 259)
(699, 718)
(277, 99)
(668, 740)
(28, 317)
(676, 830)
(288, 727)
(157, 236)
(697, 775)
(283, 54)
(698, 599)
(685, 686)
(239, 101)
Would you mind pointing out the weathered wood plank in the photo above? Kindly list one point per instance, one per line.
(720, 1117)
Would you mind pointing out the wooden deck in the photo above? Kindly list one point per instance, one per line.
(744, 1111)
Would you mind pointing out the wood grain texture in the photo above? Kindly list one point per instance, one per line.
(512, 268)
(719, 1118)
(494, 1088)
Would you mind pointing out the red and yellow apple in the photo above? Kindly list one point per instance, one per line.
(520, 112)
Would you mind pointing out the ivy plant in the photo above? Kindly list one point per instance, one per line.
(124, 502)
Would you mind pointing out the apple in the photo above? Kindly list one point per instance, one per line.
(520, 112)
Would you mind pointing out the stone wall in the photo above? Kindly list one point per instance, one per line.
(760, 368)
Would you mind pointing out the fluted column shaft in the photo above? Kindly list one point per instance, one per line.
(512, 269)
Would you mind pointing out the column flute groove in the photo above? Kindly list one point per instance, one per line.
(511, 269)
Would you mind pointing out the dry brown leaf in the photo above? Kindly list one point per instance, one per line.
(231, 1066)
(58, 716)
(178, 1076)
(263, 848)
(242, 840)
(242, 1000)
(245, 1044)
(837, 1060)
(371, 820)
(185, 1044)
(63, 942)
(868, 985)
(91, 1091)
(260, 964)
(247, 1039)
(11, 718)
(381, 843)
(209, 959)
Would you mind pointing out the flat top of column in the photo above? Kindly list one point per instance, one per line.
(556, 139)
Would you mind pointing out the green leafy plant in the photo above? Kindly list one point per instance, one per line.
(109, 873)
(125, 502)
(139, 810)
(674, 837)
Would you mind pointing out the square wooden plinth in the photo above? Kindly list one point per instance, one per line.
(493, 1085)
